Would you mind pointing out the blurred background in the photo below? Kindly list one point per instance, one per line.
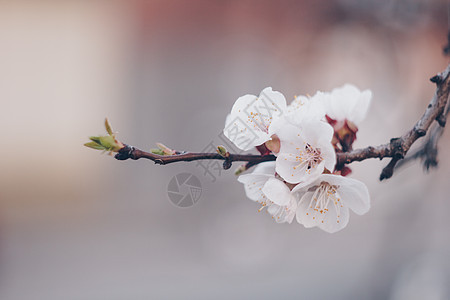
(75, 224)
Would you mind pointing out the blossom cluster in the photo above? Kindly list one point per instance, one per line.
(304, 182)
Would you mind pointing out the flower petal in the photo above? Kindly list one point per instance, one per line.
(329, 157)
(244, 135)
(332, 222)
(293, 171)
(253, 184)
(348, 102)
(317, 133)
(274, 100)
(355, 195)
(282, 214)
(267, 168)
(360, 109)
(291, 136)
(306, 108)
(277, 191)
(306, 215)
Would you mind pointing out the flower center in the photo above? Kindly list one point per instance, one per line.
(324, 194)
(264, 203)
(308, 157)
(259, 121)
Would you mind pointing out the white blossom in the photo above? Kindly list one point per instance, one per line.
(348, 103)
(305, 150)
(325, 202)
(249, 123)
(307, 108)
(303, 136)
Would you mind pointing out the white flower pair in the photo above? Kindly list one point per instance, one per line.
(301, 183)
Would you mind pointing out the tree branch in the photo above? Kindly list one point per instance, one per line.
(397, 148)
(428, 151)
(134, 153)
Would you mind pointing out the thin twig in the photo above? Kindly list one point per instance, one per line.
(134, 153)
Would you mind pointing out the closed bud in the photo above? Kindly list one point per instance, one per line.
(157, 151)
(273, 144)
(165, 149)
(240, 170)
(222, 151)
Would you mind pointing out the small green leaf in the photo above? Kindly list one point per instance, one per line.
(105, 142)
(95, 139)
(95, 146)
(108, 127)
(109, 143)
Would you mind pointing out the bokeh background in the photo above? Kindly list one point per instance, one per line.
(75, 224)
